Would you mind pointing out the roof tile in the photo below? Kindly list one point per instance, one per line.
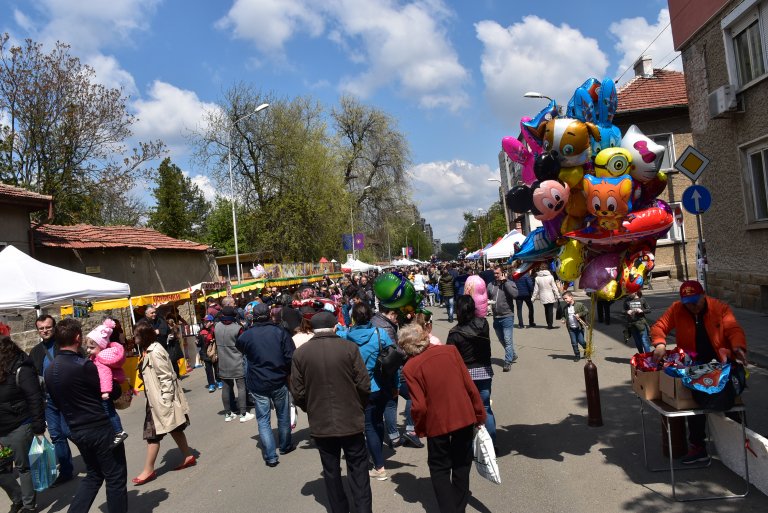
(662, 90)
(84, 236)
(19, 195)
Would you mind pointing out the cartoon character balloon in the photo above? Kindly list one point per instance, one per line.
(646, 154)
(608, 199)
(549, 199)
(599, 271)
(613, 162)
(394, 290)
(637, 265)
(570, 262)
(517, 152)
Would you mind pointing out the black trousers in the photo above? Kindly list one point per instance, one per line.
(450, 460)
(604, 311)
(356, 455)
(549, 313)
(519, 303)
(102, 463)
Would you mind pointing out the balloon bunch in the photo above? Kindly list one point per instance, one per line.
(594, 190)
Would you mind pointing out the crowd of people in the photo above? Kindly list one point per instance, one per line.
(327, 348)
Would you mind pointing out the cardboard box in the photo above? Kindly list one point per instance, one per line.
(675, 394)
(645, 384)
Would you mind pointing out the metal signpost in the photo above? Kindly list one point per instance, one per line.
(696, 200)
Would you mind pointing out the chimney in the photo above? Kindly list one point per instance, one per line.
(644, 66)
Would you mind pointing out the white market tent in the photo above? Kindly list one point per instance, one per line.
(356, 266)
(505, 248)
(403, 262)
(29, 283)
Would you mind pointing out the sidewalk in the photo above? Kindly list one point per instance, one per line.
(663, 295)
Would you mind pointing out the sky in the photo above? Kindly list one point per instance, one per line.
(451, 73)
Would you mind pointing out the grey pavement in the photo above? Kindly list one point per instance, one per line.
(550, 460)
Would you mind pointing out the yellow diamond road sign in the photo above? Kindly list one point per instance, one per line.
(692, 163)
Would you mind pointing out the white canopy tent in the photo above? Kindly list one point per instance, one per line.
(29, 283)
(505, 248)
(356, 266)
(403, 262)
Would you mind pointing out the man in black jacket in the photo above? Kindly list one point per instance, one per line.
(330, 382)
(42, 356)
(73, 385)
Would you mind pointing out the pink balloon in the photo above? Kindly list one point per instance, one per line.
(599, 271)
(536, 149)
(517, 152)
(475, 287)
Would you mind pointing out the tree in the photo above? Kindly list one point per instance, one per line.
(481, 229)
(64, 134)
(181, 207)
(121, 208)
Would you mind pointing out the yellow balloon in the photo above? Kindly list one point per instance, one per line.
(609, 292)
(570, 261)
(572, 176)
(576, 205)
(613, 162)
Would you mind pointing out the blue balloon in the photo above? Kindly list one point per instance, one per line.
(549, 112)
(607, 102)
(536, 246)
(581, 106)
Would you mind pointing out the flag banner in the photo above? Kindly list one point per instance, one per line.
(346, 241)
(410, 251)
(359, 241)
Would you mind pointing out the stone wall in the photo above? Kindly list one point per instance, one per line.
(740, 289)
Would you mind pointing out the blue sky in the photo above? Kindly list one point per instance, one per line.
(451, 72)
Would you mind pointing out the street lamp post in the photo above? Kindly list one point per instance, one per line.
(232, 183)
(503, 202)
(406, 239)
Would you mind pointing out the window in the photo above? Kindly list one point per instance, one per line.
(669, 150)
(757, 163)
(676, 232)
(745, 42)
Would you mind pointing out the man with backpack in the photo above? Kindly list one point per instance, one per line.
(501, 295)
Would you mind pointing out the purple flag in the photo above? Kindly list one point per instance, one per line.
(359, 241)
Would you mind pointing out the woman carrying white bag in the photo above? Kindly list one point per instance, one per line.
(437, 375)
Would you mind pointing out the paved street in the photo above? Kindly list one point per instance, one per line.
(550, 460)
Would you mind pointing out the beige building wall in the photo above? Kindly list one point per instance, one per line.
(736, 247)
(14, 228)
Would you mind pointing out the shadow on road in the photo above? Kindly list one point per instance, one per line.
(146, 501)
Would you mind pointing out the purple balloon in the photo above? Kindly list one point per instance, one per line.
(599, 271)
(552, 227)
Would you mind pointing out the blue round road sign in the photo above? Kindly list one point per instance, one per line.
(697, 199)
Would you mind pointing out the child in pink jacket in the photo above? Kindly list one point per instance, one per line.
(109, 358)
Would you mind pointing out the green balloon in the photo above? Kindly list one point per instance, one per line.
(394, 290)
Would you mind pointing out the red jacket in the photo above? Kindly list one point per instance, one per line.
(721, 325)
(444, 397)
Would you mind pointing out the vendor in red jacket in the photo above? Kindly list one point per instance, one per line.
(446, 408)
(706, 329)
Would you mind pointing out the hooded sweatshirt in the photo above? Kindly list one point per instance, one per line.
(545, 288)
(367, 338)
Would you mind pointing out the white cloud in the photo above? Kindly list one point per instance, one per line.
(534, 55)
(633, 37)
(448, 189)
(169, 113)
(110, 74)
(205, 184)
(402, 45)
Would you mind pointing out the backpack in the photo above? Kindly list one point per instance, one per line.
(388, 362)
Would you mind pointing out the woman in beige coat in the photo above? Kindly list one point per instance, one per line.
(167, 407)
(546, 290)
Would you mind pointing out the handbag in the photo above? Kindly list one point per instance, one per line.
(559, 311)
(212, 352)
(388, 362)
(42, 463)
(485, 455)
(124, 401)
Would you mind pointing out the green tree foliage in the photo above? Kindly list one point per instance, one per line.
(180, 207)
(485, 227)
(64, 134)
(218, 231)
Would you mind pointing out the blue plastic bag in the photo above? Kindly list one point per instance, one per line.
(42, 463)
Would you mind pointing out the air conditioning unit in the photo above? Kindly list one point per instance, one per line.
(722, 100)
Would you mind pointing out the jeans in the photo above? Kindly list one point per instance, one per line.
(519, 305)
(374, 426)
(282, 403)
(577, 339)
(642, 341)
(114, 418)
(503, 327)
(449, 458)
(484, 387)
(211, 372)
(390, 413)
(228, 394)
(449, 307)
(102, 463)
(59, 431)
(357, 472)
(20, 440)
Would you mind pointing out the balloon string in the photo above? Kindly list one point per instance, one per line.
(590, 347)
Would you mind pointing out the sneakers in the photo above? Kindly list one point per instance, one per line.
(211, 389)
(272, 464)
(520, 326)
(61, 480)
(507, 367)
(412, 439)
(245, 417)
(119, 438)
(696, 454)
(290, 449)
(378, 475)
(219, 385)
(16, 507)
(514, 358)
(576, 357)
(229, 416)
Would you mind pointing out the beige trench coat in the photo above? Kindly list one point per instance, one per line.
(164, 394)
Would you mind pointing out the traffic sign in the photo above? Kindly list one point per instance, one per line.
(692, 163)
(697, 199)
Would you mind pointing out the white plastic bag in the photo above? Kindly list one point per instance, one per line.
(294, 416)
(485, 456)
